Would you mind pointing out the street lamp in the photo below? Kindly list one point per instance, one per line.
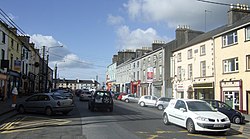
(55, 80)
(47, 68)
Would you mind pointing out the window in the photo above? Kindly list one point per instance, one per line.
(190, 71)
(248, 33)
(190, 54)
(179, 73)
(3, 54)
(154, 73)
(231, 65)
(230, 38)
(248, 62)
(160, 72)
(17, 47)
(179, 57)
(203, 50)
(137, 64)
(203, 68)
(144, 75)
(12, 43)
(3, 37)
(138, 75)
(160, 56)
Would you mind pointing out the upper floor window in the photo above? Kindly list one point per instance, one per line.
(12, 42)
(203, 50)
(160, 56)
(137, 64)
(154, 73)
(160, 72)
(248, 62)
(190, 71)
(248, 33)
(3, 37)
(133, 65)
(230, 38)
(231, 65)
(203, 68)
(179, 73)
(190, 54)
(179, 57)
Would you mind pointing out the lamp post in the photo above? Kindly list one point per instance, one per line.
(47, 68)
(55, 79)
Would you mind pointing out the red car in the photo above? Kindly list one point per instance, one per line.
(120, 96)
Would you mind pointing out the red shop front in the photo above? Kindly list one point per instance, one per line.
(134, 86)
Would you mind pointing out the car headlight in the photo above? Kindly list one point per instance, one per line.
(202, 118)
(226, 119)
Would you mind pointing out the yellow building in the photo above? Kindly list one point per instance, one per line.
(232, 61)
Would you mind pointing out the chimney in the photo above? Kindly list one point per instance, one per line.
(14, 30)
(236, 12)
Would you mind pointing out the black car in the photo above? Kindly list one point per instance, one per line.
(101, 100)
(234, 115)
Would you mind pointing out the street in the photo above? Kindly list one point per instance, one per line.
(127, 121)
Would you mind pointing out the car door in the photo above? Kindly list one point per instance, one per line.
(153, 100)
(43, 102)
(179, 113)
(224, 108)
(30, 104)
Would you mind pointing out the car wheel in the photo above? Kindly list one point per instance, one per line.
(160, 107)
(142, 104)
(48, 111)
(21, 109)
(105, 99)
(126, 100)
(165, 119)
(236, 119)
(190, 126)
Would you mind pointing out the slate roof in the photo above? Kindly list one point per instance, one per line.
(216, 32)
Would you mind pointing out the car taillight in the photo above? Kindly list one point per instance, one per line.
(58, 103)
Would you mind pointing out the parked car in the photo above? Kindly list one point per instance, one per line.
(101, 99)
(162, 103)
(116, 94)
(234, 115)
(195, 115)
(130, 98)
(147, 100)
(64, 93)
(120, 96)
(85, 95)
(48, 103)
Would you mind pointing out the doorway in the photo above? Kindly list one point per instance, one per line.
(248, 102)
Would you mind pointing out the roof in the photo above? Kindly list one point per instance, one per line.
(216, 32)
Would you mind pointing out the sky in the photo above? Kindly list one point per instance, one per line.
(92, 31)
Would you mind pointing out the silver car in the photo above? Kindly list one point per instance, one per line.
(48, 103)
(162, 103)
(85, 95)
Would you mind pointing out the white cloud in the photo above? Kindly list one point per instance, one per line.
(138, 38)
(180, 12)
(115, 20)
(58, 54)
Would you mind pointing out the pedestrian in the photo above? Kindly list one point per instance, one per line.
(14, 94)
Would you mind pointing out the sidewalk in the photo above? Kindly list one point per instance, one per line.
(6, 111)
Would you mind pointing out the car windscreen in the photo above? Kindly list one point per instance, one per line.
(57, 97)
(199, 106)
(103, 93)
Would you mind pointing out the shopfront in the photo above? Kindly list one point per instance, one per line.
(144, 89)
(231, 93)
(204, 91)
(3, 86)
(157, 88)
(135, 87)
(179, 90)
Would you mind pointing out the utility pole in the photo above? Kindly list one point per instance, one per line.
(47, 72)
(43, 88)
(55, 77)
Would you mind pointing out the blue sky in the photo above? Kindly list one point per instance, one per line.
(92, 31)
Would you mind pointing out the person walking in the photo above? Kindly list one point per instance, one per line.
(14, 95)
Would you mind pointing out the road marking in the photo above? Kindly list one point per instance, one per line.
(205, 136)
(153, 136)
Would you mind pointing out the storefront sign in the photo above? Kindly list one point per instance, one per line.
(230, 84)
(150, 75)
(180, 87)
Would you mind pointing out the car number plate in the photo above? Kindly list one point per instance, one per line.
(219, 125)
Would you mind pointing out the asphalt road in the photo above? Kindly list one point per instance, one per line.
(127, 121)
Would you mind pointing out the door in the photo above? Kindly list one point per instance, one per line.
(179, 114)
(248, 102)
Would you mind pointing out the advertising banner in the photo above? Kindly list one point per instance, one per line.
(150, 75)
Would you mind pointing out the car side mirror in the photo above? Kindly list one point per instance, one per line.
(183, 110)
